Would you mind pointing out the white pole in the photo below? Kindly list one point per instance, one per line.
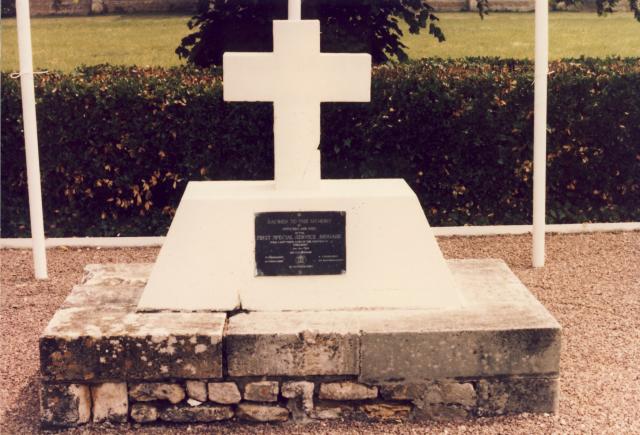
(295, 9)
(540, 130)
(31, 138)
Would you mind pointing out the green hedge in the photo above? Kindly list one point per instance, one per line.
(118, 145)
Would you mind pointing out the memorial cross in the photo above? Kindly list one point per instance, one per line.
(297, 77)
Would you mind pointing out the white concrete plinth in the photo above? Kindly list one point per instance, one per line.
(208, 259)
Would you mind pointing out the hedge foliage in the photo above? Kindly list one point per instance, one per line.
(118, 145)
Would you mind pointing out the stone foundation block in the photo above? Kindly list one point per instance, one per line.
(225, 393)
(451, 393)
(197, 390)
(264, 391)
(144, 413)
(300, 394)
(502, 330)
(292, 344)
(147, 392)
(517, 395)
(499, 354)
(347, 391)
(110, 402)
(65, 404)
(403, 391)
(196, 414)
(262, 413)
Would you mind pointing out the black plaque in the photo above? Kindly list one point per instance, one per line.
(300, 243)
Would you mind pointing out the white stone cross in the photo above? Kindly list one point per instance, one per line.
(296, 77)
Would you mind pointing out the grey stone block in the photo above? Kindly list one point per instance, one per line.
(503, 330)
(65, 405)
(292, 344)
(414, 356)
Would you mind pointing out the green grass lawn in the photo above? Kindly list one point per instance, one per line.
(64, 43)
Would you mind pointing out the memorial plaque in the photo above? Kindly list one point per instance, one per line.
(300, 243)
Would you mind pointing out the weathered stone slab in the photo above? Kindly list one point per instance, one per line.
(503, 330)
(84, 344)
(175, 345)
(103, 296)
(414, 356)
(110, 402)
(292, 344)
(104, 344)
(65, 404)
(196, 414)
(117, 275)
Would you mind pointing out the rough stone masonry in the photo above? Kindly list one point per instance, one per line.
(102, 361)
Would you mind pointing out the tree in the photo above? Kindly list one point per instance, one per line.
(371, 26)
(604, 7)
(8, 8)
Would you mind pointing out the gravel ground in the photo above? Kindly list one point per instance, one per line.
(591, 284)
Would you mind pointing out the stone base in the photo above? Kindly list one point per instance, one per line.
(103, 361)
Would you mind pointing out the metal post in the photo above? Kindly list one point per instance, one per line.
(540, 130)
(31, 138)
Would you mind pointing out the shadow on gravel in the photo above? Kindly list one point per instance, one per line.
(22, 415)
